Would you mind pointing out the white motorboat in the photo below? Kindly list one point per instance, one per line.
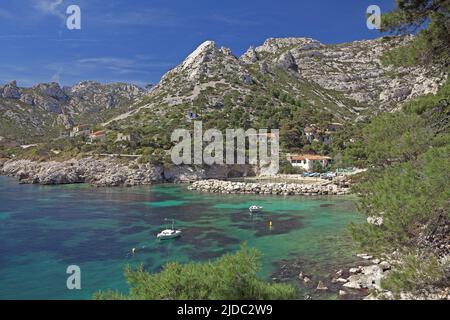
(169, 233)
(255, 209)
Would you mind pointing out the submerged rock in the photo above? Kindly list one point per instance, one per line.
(321, 286)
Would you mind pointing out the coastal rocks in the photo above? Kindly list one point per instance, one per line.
(113, 172)
(99, 172)
(183, 173)
(364, 256)
(354, 270)
(220, 186)
(366, 276)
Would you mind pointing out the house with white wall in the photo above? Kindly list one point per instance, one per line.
(308, 161)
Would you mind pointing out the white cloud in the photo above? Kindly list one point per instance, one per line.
(50, 7)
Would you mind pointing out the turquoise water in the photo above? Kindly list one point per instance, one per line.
(44, 229)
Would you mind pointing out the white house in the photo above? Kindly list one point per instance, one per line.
(308, 161)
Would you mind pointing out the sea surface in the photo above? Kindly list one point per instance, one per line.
(45, 229)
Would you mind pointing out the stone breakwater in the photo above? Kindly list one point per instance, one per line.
(338, 187)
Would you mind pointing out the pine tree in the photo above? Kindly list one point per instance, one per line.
(433, 42)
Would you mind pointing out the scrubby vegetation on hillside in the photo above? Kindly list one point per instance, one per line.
(408, 185)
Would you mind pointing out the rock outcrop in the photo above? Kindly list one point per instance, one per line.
(99, 172)
(112, 172)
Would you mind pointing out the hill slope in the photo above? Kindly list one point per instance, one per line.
(286, 82)
(46, 109)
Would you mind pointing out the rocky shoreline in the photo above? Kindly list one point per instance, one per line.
(361, 282)
(99, 172)
(108, 172)
(370, 277)
(105, 172)
(325, 187)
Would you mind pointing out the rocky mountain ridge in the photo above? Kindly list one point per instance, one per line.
(48, 107)
(347, 80)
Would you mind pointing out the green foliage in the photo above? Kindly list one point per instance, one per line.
(430, 101)
(398, 137)
(414, 273)
(408, 185)
(407, 196)
(407, 55)
(231, 277)
(286, 167)
(432, 43)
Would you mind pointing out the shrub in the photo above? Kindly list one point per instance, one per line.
(415, 273)
(231, 277)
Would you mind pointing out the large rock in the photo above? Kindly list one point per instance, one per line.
(287, 62)
(10, 91)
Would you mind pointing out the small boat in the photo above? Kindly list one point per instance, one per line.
(255, 209)
(169, 233)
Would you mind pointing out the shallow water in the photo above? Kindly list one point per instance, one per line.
(44, 229)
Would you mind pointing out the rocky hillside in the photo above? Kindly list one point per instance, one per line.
(345, 81)
(46, 109)
(285, 82)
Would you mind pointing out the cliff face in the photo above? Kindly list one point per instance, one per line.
(28, 114)
(352, 69)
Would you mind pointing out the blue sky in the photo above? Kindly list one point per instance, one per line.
(137, 41)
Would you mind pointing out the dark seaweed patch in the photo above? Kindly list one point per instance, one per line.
(260, 223)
